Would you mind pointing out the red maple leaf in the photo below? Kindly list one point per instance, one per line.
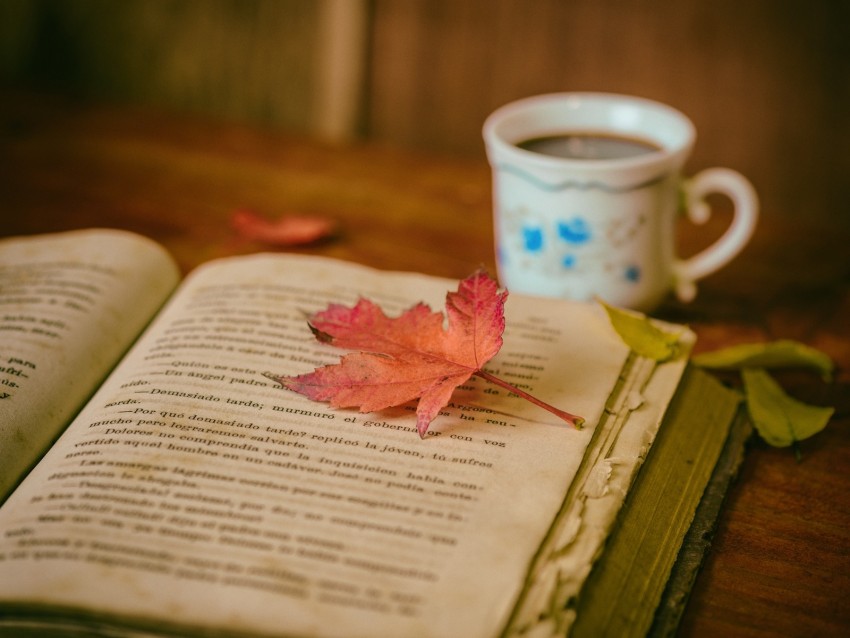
(289, 230)
(410, 356)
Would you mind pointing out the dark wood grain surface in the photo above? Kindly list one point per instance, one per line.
(780, 561)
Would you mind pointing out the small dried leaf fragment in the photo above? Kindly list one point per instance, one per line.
(784, 353)
(411, 356)
(780, 419)
(290, 230)
(642, 335)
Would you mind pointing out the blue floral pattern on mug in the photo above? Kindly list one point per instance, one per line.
(532, 238)
(574, 231)
(632, 273)
(571, 245)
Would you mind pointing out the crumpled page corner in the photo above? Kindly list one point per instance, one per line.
(599, 483)
(634, 400)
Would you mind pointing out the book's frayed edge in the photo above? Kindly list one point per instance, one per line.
(632, 578)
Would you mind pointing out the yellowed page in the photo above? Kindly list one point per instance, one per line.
(70, 305)
(194, 490)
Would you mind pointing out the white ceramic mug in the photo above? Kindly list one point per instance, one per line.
(579, 227)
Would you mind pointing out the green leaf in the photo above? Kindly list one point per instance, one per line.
(784, 353)
(780, 419)
(642, 335)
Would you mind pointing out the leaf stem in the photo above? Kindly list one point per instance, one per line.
(572, 419)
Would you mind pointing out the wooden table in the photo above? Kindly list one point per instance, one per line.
(780, 561)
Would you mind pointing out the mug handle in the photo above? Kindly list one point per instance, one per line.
(734, 185)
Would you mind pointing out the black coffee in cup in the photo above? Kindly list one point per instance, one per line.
(589, 146)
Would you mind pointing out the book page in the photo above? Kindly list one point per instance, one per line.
(193, 490)
(70, 305)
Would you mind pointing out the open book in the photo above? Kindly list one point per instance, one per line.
(176, 490)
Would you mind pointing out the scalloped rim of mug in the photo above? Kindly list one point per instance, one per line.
(676, 136)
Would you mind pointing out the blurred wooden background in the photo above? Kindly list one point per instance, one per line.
(767, 82)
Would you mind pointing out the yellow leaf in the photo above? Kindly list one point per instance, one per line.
(642, 335)
(780, 419)
(784, 353)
